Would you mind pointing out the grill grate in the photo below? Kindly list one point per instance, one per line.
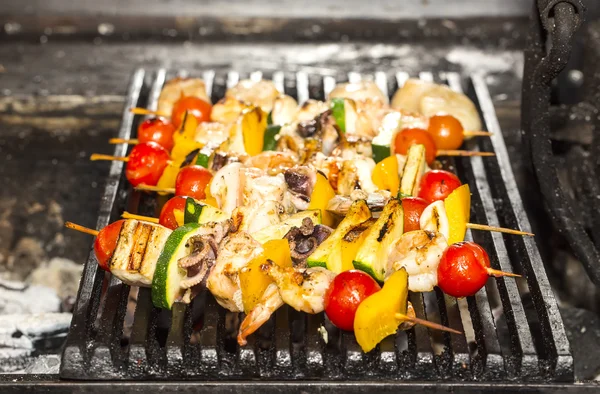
(513, 330)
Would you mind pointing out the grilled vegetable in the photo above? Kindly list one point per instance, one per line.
(253, 281)
(159, 130)
(198, 212)
(372, 254)
(254, 125)
(413, 171)
(382, 142)
(406, 138)
(196, 107)
(434, 219)
(458, 212)
(413, 209)
(192, 181)
(385, 175)
(319, 198)
(376, 316)
(329, 253)
(279, 230)
(345, 294)
(339, 113)
(437, 185)
(166, 288)
(353, 240)
(270, 138)
(136, 254)
(172, 213)
(106, 242)
(146, 164)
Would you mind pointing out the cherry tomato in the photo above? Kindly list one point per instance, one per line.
(413, 209)
(437, 185)
(171, 210)
(106, 242)
(158, 130)
(191, 181)
(345, 293)
(463, 269)
(196, 107)
(447, 131)
(146, 164)
(408, 137)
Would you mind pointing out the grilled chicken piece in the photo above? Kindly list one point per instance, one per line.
(431, 99)
(227, 110)
(177, 87)
(284, 111)
(137, 251)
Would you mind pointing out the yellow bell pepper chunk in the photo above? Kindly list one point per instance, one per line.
(253, 281)
(352, 242)
(458, 210)
(179, 216)
(254, 124)
(321, 194)
(209, 199)
(385, 175)
(169, 175)
(376, 316)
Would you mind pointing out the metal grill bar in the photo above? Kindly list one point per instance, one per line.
(198, 341)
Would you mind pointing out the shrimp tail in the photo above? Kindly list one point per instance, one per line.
(270, 302)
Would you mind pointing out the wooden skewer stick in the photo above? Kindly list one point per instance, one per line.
(81, 229)
(493, 272)
(144, 111)
(127, 215)
(170, 190)
(497, 229)
(426, 323)
(132, 141)
(443, 152)
(99, 156)
(470, 133)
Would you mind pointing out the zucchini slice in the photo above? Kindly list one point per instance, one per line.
(339, 113)
(270, 137)
(373, 253)
(329, 253)
(166, 287)
(413, 171)
(197, 212)
(279, 230)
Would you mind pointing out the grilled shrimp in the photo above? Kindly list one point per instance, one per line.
(285, 109)
(269, 303)
(257, 93)
(177, 87)
(213, 133)
(359, 91)
(301, 288)
(273, 161)
(234, 253)
(227, 110)
(419, 252)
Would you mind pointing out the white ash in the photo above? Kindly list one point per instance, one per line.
(19, 298)
(62, 275)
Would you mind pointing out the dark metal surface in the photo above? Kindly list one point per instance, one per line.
(289, 347)
(548, 51)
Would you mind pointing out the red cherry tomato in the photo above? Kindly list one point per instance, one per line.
(344, 294)
(106, 242)
(146, 164)
(408, 137)
(191, 181)
(413, 209)
(196, 107)
(168, 213)
(437, 185)
(463, 269)
(158, 130)
(447, 131)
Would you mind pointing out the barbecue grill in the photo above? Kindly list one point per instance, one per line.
(291, 347)
(513, 333)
